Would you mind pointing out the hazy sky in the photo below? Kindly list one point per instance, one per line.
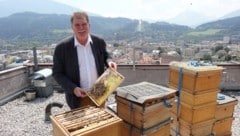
(154, 9)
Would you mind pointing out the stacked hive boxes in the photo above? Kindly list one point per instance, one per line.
(224, 115)
(143, 107)
(87, 121)
(198, 93)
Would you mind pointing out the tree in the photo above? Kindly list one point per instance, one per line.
(116, 45)
(228, 57)
(227, 49)
(217, 48)
(207, 57)
(161, 50)
(197, 50)
(178, 50)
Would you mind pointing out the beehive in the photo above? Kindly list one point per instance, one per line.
(87, 121)
(195, 114)
(223, 127)
(225, 107)
(162, 129)
(199, 99)
(141, 116)
(197, 106)
(224, 115)
(187, 129)
(195, 79)
(142, 104)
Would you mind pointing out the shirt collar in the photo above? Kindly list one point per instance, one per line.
(76, 43)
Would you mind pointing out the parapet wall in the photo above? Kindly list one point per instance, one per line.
(157, 74)
(12, 81)
(230, 78)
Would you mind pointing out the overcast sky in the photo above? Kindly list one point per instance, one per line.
(154, 9)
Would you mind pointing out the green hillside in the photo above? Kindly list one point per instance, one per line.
(32, 29)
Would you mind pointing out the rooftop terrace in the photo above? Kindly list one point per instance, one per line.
(19, 117)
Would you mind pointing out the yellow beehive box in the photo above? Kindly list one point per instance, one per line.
(87, 121)
(196, 114)
(223, 127)
(195, 79)
(225, 107)
(199, 99)
(199, 129)
(162, 129)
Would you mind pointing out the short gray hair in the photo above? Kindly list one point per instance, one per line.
(80, 14)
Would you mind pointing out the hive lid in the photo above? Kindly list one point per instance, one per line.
(105, 85)
(223, 99)
(144, 92)
(195, 67)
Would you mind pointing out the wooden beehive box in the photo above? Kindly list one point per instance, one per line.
(162, 129)
(199, 99)
(195, 79)
(143, 104)
(223, 127)
(199, 129)
(225, 107)
(87, 121)
(196, 114)
(141, 116)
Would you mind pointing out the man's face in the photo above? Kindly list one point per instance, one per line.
(81, 27)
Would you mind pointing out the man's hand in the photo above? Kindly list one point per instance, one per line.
(79, 92)
(112, 65)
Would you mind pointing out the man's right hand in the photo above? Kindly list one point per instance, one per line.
(79, 92)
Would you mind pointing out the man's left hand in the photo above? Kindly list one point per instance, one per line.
(112, 65)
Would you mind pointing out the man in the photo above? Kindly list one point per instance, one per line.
(79, 60)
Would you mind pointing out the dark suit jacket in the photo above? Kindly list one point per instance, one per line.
(66, 68)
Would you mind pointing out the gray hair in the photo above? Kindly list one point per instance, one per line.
(80, 15)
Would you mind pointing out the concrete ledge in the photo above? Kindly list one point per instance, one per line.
(11, 96)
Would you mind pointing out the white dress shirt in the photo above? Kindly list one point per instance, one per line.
(86, 62)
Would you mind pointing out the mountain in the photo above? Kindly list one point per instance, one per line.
(30, 28)
(216, 30)
(34, 29)
(232, 14)
(8, 7)
(189, 18)
(230, 24)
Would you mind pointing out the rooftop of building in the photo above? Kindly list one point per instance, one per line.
(19, 117)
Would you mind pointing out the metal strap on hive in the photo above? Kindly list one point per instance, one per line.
(145, 92)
